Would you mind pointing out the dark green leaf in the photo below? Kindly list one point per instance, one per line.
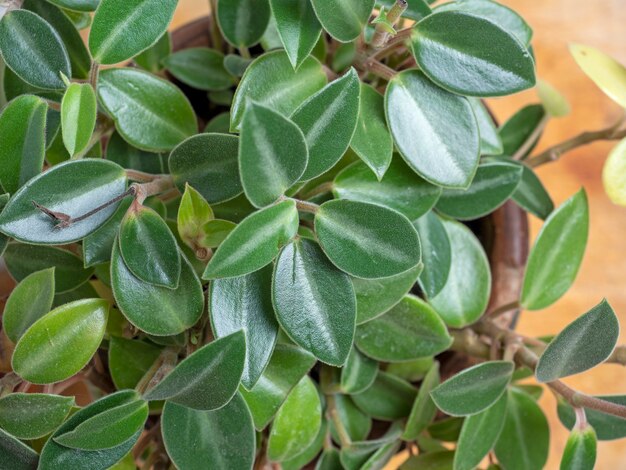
(149, 112)
(580, 450)
(447, 429)
(490, 142)
(531, 194)
(152, 58)
(97, 246)
(557, 254)
(435, 131)
(314, 302)
(389, 398)
(343, 19)
(298, 28)
(436, 253)
(199, 67)
(474, 389)
(33, 415)
(62, 342)
(329, 460)
(608, 427)
(424, 408)
(236, 66)
(14, 86)
(129, 360)
(356, 238)
(33, 50)
(206, 379)
(520, 127)
(471, 55)
(356, 423)
(78, 117)
(15, 455)
(359, 373)
(77, 5)
(243, 22)
(129, 157)
(122, 29)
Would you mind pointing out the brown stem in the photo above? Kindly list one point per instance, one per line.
(93, 74)
(305, 206)
(505, 308)
(141, 176)
(376, 67)
(333, 414)
(381, 34)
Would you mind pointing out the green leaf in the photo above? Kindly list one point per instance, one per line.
(236, 66)
(376, 296)
(438, 460)
(243, 22)
(435, 131)
(29, 301)
(62, 342)
(255, 242)
(328, 120)
(613, 174)
(179, 309)
(470, 55)
(93, 182)
(415, 10)
(77, 5)
(297, 422)
(410, 330)
(215, 232)
(424, 409)
(356, 423)
(583, 344)
(358, 373)
(286, 367)
(97, 246)
(607, 427)
(580, 450)
(524, 441)
(479, 434)
(16, 455)
(272, 154)
(33, 415)
(520, 127)
(299, 461)
(372, 141)
(474, 389)
(108, 428)
(149, 249)
(78, 117)
(492, 185)
(206, 379)
(555, 103)
(413, 370)
(33, 50)
(22, 132)
(149, 112)
(343, 19)
(447, 429)
(389, 398)
(129, 157)
(436, 253)
(152, 58)
(208, 162)
(356, 238)
(245, 303)
(358, 453)
(224, 437)
(314, 302)
(129, 360)
(199, 67)
(531, 195)
(22, 260)
(465, 295)
(271, 81)
(556, 256)
(490, 141)
(298, 28)
(57, 457)
(121, 29)
(329, 460)
(193, 213)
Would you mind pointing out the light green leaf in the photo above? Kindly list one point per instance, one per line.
(358, 373)
(199, 67)
(129, 360)
(298, 28)
(193, 213)
(555, 103)
(243, 22)
(301, 460)
(388, 399)
(78, 117)
(33, 415)
(580, 450)
(613, 174)
(606, 72)
(356, 423)
(215, 232)
(436, 253)
(424, 409)
(343, 19)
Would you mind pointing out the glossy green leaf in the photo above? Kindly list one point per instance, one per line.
(122, 29)
(492, 185)
(243, 22)
(149, 249)
(465, 295)
(474, 389)
(22, 131)
(479, 434)
(435, 131)
(14, 86)
(470, 55)
(520, 127)
(208, 162)
(297, 422)
(389, 398)
(490, 141)
(531, 194)
(298, 28)
(410, 330)
(77, 5)
(436, 253)
(107, 429)
(343, 19)
(606, 72)
(224, 437)
(580, 450)
(553, 101)
(62, 342)
(199, 67)
(149, 112)
(22, 260)
(372, 141)
(16, 455)
(524, 441)
(97, 246)
(33, 415)
(400, 189)
(376, 296)
(152, 58)
(272, 154)
(358, 373)
(129, 360)
(355, 422)
(613, 174)
(29, 301)
(302, 459)
(314, 302)
(607, 427)
(206, 379)
(271, 80)
(356, 238)
(556, 256)
(93, 182)
(78, 117)
(424, 409)
(287, 366)
(583, 344)
(255, 242)
(178, 309)
(328, 120)
(245, 303)
(33, 50)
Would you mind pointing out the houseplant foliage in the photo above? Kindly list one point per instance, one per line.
(279, 288)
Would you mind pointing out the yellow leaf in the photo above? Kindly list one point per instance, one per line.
(605, 71)
(553, 101)
(614, 174)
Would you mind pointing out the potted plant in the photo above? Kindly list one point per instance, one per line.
(325, 275)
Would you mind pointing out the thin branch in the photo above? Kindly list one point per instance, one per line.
(531, 140)
(323, 188)
(378, 68)
(505, 308)
(333, 415)
(381, 33)
(305, 206)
